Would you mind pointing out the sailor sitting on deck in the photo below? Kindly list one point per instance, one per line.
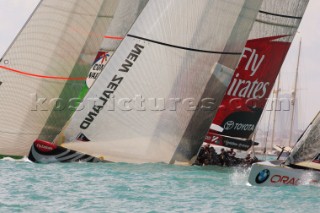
(224, 158)
(248, 159)
(214, 158)
(231, 153)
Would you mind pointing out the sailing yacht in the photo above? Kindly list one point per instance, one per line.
(176, 49)
(44, 71)
(121, 14)
(301, 167)
(52, 51)
(246, 97)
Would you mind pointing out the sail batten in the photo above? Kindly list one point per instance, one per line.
(280, 15)
(185, 48)
(277, 24)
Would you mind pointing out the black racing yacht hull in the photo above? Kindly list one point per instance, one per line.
(46, 152)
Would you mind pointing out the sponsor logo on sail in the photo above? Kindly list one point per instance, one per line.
(229, 125)
(251, 84)
(244, 127)
(262, 176)
(97, 67)
(112, 86)
(245, 88)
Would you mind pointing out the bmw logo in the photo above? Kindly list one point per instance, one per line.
(262, 176)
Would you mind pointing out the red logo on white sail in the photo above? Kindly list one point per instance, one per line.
(99, 64)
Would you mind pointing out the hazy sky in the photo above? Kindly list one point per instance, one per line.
(14, 13)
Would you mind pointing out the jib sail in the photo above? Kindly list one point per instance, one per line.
(308, 146)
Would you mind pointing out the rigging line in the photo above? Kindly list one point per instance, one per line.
(279, 15)
(294, 95)
(185, 48)
(113, 37)
(54, 77)
(44, 76)
(25, 133)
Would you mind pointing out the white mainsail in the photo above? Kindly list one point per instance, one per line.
(126, 14)
(41, 61)
(279, 18)
(177, 49)
(115, 19)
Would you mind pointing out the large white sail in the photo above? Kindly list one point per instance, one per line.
(264, 54)
(126, 14)
(177, 49)
(41, 61)
(114, 20)
(279, 18)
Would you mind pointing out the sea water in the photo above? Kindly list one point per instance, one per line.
(120, 187)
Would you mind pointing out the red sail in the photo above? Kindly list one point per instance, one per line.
(251, 85)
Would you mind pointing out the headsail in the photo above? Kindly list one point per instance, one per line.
(177, 49)
(114, 21)
(308, 146)
(263, 56)
(38, 65)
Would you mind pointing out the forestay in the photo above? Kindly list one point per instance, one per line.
(41, 61)
(177, 53)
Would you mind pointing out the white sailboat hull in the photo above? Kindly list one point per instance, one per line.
(275, 174)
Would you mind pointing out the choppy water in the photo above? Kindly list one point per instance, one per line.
(118, 187)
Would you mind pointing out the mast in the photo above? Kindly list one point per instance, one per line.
(294, 94)
(275, 110)
(268, 127)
